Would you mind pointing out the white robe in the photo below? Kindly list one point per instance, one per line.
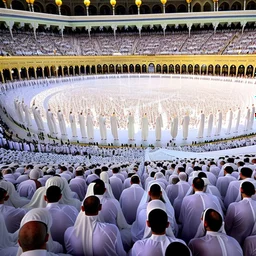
(159, 125)
(210, 125)
(27, 116)
(82, 125)
(240, 219)
(89, 124)
(201, 126)
(72, 121)
(50, 122)
(215, 243)
(130, 127)
(174, 127)
(191, 209)
(238, 116)
(114, 127)
(247, 120)
(103, 128)
(62, 124)
(34, 111)
(185, 124)
(144, 128)
(229, 120)
(218, 123)
(252, 117)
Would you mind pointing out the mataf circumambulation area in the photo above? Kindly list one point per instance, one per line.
(203, 99)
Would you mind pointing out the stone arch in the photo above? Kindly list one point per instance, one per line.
(157, 9)
(118, 69)
(210, 69)
(183, 69)
(99, 69)
(197, 7)
(203, 69)
(93, 69)
(171, 69)
(131, 68)
(144, 9)
(93, 10)
(158, 68)
(79, 10)
(137, 68)
(197, 70)
(105, 69)
(120, 10)
(65, 71)
(23, 73)
(224, 6)
(251, 5)
(51, 8)
(165, 69)
(39, 72)
(59, 71)
(249, 71)
(71, 70)
(82, 69)
(54, 71)
(111, 68)
(241, 70)
(7, 74)
(207, 7)
(65, 10)
(177, 69)
(190, 69)
(232, 71)
(77, 70)
(217, 70)
(105, 10)
(224, 70)
(170, 8)
(19, 5)
(182, 8)
(31, 72)
(144, 68)
(15, 74)
(133, 9)
(38, 7)
(125, 68)
(236, 6)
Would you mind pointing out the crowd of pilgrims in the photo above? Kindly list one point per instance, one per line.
(75, 205)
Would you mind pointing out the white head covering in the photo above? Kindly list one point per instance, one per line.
(201, 230)
(14, 198)
(42, 215)
(183, 176)
(105, 177)
(83, 229)
(34, 174)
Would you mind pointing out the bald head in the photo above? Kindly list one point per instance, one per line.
(33, 236)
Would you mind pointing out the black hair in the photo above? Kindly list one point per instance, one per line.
(158, 220)
(53, 194)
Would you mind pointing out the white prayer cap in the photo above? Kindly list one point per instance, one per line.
(38, 214)
(20, 170)
(34, 174)
(155, 204)
(183, 176)
(80, 168)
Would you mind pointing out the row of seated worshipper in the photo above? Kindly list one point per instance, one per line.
(227, 225)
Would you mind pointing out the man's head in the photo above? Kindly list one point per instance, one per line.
(177, 249)
(99, 187)
(198, 184)
(228, 169)
(158, 221)
(155, 192)
(97, 171)
(247, 189)
(91, 206)
(135, 179)
(33, 236)
(63, 168)
(53, 194)
(212, 220)
(245, 172)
